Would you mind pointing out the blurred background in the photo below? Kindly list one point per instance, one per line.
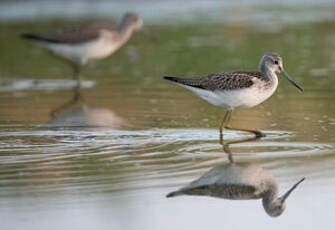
(109, 159)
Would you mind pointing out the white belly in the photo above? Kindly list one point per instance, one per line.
(240, 98)
(81, 53)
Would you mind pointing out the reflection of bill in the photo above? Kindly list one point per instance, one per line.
(240, 181)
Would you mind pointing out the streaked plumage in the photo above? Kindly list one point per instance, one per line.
(240, 89)
(234, 181)
(240, 181)
(221, 81)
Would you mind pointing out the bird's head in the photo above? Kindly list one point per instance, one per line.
(273, 62)
(275, 206)
(132, 19)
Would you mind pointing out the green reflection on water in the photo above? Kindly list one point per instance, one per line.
(130, 82)
(90, 165)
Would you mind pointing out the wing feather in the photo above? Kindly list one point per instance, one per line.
(220, 81)
(70, 35)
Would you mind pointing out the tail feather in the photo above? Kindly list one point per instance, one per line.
(175, 79)
(35, 37)
(182, 81)
(30, 36)
(193, 82)
(173, 194)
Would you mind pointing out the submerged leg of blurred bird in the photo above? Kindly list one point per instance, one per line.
(55, 112)
(76, 77)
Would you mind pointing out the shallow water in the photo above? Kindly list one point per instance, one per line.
(108, 160)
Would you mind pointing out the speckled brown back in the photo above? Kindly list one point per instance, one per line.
(221, 81)
(232, 191)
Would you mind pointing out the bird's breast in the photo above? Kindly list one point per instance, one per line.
(256, 94)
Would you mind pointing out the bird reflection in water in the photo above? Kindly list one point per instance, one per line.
(240, 181)
(76, 113)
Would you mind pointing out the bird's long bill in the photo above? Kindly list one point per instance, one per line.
(149, 34)
(290, 80)
(284, 197)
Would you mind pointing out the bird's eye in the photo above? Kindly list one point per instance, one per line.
(276, 62)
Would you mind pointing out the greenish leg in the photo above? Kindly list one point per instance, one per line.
(224, 123)
(257, 133)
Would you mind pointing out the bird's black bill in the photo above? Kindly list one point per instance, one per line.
(149, 35)
(290, 80)
(284, 197)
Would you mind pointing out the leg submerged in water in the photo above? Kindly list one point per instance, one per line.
(225, 124)
(258, 134)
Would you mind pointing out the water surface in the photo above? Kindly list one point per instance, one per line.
(108, 160)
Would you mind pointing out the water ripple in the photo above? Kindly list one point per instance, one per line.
(43, 160)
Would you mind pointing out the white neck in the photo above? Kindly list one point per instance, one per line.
(268, 72)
